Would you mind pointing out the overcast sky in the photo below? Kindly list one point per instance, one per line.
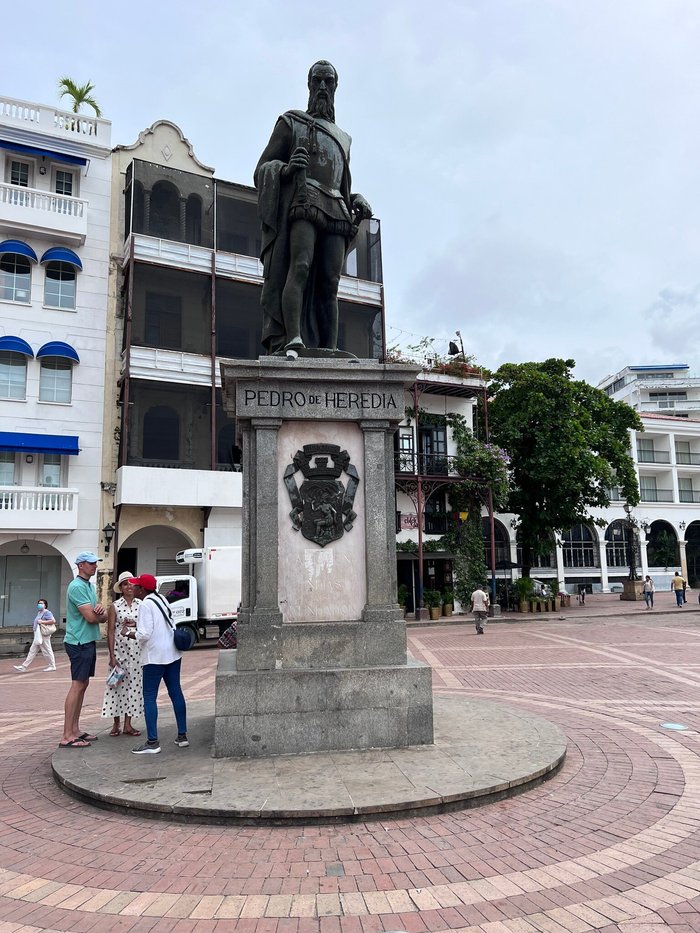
(535, 163)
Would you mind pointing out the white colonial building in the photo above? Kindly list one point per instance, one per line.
(55, 171)
(664, 529)
(665, 526)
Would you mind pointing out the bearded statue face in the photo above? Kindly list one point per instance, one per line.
(323, 80)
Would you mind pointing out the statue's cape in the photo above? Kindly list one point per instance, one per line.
(274, 201)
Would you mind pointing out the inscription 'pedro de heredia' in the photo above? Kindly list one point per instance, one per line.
(322, 506)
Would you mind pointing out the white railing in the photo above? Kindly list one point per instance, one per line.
(670, 405)
(37, 498)
(38, 508)
(57, 122)
(234, 265)
(42, 200)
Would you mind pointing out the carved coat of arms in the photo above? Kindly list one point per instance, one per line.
(322, 506)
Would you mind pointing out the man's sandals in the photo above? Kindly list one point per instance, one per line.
(83, 741)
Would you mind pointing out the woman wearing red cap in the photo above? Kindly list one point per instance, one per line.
(161, 661)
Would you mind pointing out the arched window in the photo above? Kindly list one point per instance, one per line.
(579, 547)
(59, 285)
(538, 560)
(15, 278)
(161, 433)
(13, 375)
(193, 220)
(662, 548)
(165, 211)
(137, 220)
(55, 379)
(616, 536)
(500, 539)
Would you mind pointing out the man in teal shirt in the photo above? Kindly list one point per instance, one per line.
(83, 617)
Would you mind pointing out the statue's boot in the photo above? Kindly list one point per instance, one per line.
(296, 343)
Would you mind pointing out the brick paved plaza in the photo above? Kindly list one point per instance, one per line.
(612, 842)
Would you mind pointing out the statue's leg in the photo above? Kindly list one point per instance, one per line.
(331, 255)
(302, 240)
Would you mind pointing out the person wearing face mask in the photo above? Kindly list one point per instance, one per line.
(44, 627)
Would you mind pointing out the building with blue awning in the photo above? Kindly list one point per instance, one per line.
(55, 170)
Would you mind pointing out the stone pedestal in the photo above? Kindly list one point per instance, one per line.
(632, 590)
(321, 661)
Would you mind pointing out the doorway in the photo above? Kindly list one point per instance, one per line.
(22, 580)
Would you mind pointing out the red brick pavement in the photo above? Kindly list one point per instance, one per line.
(612, 842)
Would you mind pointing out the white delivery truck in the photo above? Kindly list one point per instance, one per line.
(207, 592)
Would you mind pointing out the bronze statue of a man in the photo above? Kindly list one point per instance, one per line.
(309, 217)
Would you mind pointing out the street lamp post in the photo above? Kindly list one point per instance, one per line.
(631, 556)
(630, 584)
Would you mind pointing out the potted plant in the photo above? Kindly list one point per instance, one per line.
(448, 601)
(524, 588)
(402, 597)
(433, 600)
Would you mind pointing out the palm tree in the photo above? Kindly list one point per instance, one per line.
(80, 93)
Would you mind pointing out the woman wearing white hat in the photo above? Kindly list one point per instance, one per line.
(126, 698)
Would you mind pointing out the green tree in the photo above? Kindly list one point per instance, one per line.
(79, 93)
(568, 444)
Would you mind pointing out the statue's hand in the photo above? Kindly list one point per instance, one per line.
(298, 160)
(361, 207)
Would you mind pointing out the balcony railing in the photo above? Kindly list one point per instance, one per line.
(35, 211)
(436, 523)
(34, 508)
(670, 405)
(425, 464)
(686, 459)
(163, 464)
(57, 123)
(653, 456)
(656, 495)
(688, 495)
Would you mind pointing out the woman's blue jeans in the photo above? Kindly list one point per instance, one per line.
(152, 676)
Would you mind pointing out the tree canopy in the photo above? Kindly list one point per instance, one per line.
(568, 444)
(79, 93)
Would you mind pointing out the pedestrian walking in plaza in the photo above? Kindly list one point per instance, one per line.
(44, 627)
(161, 660)
(83, 617)
(678, 586)
(480, 608)
(648, 590)
(126, 698)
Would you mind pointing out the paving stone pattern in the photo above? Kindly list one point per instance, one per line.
(612, 842)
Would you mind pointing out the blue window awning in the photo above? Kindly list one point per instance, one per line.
(46, 153)
(62, 254)
(19, 248)
(58, 348)
(16, 345)
(39, 443)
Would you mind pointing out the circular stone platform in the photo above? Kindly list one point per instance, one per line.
(483, 752)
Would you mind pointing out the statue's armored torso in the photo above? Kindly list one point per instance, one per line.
(324, 173)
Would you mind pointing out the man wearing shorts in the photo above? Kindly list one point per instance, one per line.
(83, 617)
